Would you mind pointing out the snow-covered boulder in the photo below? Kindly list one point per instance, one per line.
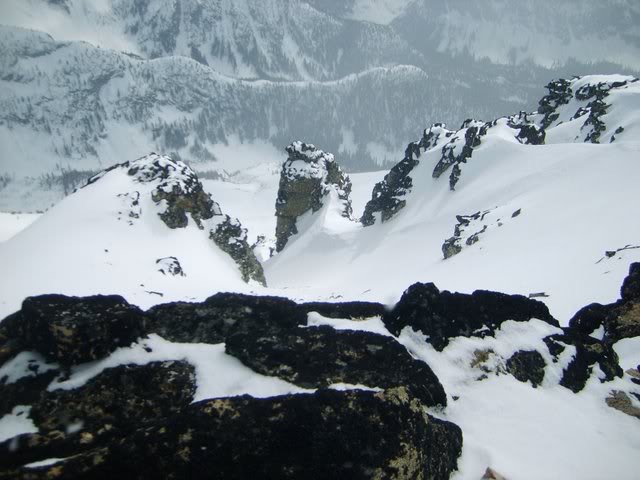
(309, 176)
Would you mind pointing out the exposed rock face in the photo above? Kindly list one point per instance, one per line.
(74, 330)
(527, 366)
(445, 315)
(117, 396)
(459, 149)
(589, 352)
(136, 419)
(388, 195)
(560, 93)
(180, 195)
(307, 178)
(321, 356)
(620, 319)
(344, 434)
(221, 315)
(232, 239)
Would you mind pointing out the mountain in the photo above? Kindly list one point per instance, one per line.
(450, 332)
(543, 32)
(509, 206)
(119, 79)
(145, 227)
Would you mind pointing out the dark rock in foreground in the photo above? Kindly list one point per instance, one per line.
(326, 435)
(73, 330)
(221, 315)
(444, 315)
(620, 319)
(321, 356)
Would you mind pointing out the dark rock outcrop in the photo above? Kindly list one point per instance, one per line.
(527, 366)
(442, 316)
(231, 237)
(589, 352)
(74, 330)
(107, 407)
(560, 93)
(118, 395)
(321, 356)
(620, 319)
(327, 435)
(350, 310)
(387, 197)
(459, 149)
(307, 177)
(221, 315)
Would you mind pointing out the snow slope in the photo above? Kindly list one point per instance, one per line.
(108, 237)
(551, 212)
(575, 205)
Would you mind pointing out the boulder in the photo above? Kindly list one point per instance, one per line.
(620, 319)
(107, 407)
(326, 435)
(442, 316)
(318, 357)
(589, 352)
(308, 176)
(527, 366)
(73, 330)
(221, 315)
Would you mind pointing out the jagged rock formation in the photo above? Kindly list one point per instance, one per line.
(231, 237)
(620, 319)
(445, 315)
(179, 194)
(388, 196)
(89, 328)
(582, 99)
(308, 176)
(470, 228)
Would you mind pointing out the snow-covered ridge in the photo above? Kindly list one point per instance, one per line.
(590, 109)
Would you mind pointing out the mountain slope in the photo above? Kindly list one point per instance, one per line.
(125, 231)
(545, 32)
(532, 210)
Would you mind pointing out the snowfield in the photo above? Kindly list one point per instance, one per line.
(559, 222)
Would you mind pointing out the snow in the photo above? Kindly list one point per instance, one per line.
(524, 432)
(25, 364)
(13, 223)
(371, 325)
(91, 235)
(576, 202)
(16, 423)
(217, 374)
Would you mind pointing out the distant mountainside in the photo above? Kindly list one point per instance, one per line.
(117, 79)
(545, 32)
